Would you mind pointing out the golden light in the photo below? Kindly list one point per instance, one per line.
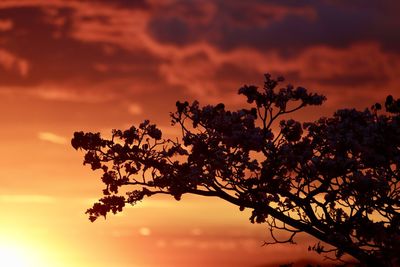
(18, 255)
(13, 257)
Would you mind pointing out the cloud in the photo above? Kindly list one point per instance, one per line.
(211, 75)
(11, 62)
(281, 26)
(194, 21)
(144, 231)
(79, 93)
(5, 25)
(196, 232)
(110, 52)
(44, 35)
(52, 138)
(209, 243)
(135, 109)
(26, 199)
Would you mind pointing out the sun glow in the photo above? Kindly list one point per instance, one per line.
(14, 255)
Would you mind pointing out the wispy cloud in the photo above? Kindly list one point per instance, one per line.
(70, 93)
(26, 199)
(52, 138)
(144, 231)
(135, 109)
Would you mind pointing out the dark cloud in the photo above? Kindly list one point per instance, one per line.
(354, 80)
(203, 49)
(173, 30)
(136, 4)
(282, 26)
(43, 37)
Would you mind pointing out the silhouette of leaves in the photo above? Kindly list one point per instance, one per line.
(336, 178)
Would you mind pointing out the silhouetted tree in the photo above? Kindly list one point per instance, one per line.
(336, 179)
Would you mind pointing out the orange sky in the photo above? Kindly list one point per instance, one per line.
(97, 65)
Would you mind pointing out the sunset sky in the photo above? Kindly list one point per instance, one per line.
(67, 66)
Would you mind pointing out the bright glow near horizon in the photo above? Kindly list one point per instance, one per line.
(13, 255)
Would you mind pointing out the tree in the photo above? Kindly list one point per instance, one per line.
(336, 178)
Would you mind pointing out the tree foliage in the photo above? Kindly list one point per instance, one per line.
(336, 178)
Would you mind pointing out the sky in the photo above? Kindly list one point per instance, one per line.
(99, 65)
